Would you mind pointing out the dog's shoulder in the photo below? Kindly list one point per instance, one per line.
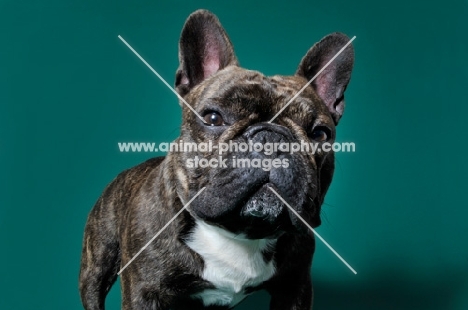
(128, 182)
(142, 169)
(132, 176)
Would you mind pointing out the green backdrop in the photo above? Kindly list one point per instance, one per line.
(396, 211)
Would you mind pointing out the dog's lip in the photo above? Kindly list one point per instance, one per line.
(262, 202)
(262, 186)
(269, 186)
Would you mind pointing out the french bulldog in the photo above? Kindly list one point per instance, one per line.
(237, 236)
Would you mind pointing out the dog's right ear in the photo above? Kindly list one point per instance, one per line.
(204, 49)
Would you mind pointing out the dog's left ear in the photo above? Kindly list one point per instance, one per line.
(331, 84)
(204, 49)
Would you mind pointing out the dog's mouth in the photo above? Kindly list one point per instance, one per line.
(250, 202)
(265, 214)
(260, 215)
(240, 198)
(263, 204)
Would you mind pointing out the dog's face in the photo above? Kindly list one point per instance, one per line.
(236, 106)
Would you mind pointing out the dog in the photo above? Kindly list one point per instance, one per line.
(236, 237)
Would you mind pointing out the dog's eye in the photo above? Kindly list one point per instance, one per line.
(213, 119)
(320, 134)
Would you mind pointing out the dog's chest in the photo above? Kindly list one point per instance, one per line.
(231, 264)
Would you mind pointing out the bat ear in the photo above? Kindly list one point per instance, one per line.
(204, 49)
(331, 83)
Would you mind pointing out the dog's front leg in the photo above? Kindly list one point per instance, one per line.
(293, 293)
(139, 295)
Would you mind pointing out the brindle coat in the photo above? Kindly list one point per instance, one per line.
(141, 200)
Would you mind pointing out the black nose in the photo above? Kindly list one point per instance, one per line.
(253, 130)
(268, 133)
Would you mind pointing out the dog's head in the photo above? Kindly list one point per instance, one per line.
(236, 106)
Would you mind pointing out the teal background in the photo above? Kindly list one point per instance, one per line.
(397, 212)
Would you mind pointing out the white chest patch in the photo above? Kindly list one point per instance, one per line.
(231, 263)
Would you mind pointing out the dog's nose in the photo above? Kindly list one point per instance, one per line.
(254, 129)
(268, 133)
